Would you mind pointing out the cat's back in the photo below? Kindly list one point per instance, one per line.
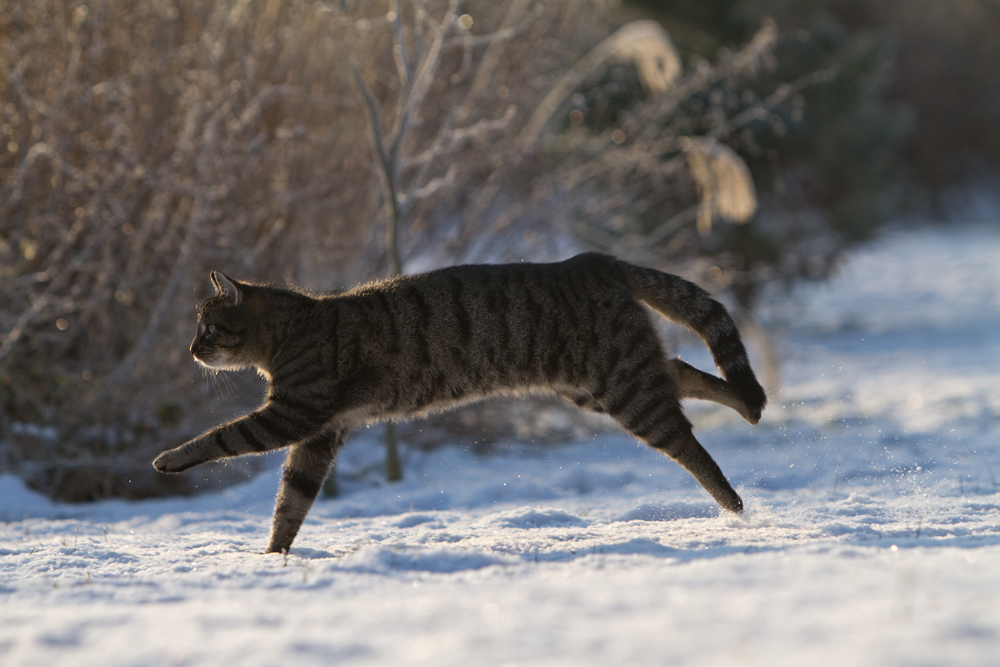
(587, 274)
(487, 296)
(503, 315)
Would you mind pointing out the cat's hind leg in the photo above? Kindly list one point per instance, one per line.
(646, 404)
(693, 383)
(305, 470)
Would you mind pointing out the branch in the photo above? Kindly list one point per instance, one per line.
(484, 73)
(424, 76)
(762, 110)
(446, 140)
(434, 185)
(389, 174)
(399, 46)
(468, 41)
(375, 117)
(648, 120)
(15, 190)
(622, 42)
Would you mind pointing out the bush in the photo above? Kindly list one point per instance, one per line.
(146, 142)
(150, 141)
(826, 164)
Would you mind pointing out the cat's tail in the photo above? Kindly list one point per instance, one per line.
(685, 303)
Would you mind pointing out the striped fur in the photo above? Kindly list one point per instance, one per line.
(401, 348)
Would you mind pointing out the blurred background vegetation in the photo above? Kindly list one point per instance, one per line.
(741, 143)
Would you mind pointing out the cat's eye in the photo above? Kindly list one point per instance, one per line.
(210, 330)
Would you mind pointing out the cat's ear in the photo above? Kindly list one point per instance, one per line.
(224, 285)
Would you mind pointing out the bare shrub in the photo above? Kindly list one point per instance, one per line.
(145, 142)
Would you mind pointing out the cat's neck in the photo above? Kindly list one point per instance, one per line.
(285, 313)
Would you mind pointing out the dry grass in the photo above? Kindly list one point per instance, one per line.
(724, 183)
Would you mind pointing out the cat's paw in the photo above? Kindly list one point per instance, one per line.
(174, 460)
(754, 400)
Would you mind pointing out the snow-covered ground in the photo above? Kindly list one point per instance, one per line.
(872, 535)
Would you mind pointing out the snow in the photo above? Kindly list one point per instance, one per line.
(871, 536)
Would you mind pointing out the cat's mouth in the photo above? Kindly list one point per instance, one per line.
(216, 360)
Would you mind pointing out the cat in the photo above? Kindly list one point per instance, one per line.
(404, 347)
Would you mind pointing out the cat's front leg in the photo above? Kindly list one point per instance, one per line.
(208, 447)
(306, 468)
(181, 458)
(272, 427)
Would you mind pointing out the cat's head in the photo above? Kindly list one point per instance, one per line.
(225, 327)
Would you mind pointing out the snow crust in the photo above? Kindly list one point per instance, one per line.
(871, 536)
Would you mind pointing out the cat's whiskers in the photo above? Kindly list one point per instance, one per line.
(228, 384)
(214, 376)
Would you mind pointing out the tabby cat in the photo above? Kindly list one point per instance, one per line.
(407, 346)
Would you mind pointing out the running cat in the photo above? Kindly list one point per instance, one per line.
(407, 346)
